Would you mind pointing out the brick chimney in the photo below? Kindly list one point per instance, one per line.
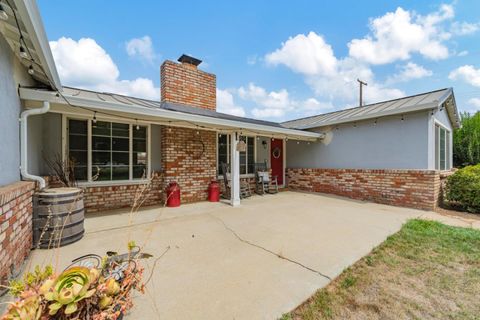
(184, 83)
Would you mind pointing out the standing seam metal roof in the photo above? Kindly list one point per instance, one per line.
(396, 106)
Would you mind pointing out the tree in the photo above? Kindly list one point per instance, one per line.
(466, 141)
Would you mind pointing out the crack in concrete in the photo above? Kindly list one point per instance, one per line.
(268, 250)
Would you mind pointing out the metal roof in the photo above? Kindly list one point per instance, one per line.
(131, 101)
(30, 27)
(86, 102)
(423, 101)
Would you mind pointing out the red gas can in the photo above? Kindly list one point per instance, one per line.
(173, 194)
(213, 191)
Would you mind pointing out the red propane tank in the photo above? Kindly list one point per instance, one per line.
(173, 194)
(213, 191)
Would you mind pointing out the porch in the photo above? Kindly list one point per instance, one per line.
(119, 143)
(255, 261)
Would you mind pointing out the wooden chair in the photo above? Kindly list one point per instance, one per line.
(263, 183)
(226, 183)
(245, 191)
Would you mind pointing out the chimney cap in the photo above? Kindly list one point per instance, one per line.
(190, 60)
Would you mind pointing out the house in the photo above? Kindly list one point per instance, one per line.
(390, 152)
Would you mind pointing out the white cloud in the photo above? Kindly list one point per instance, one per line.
(408, 72)
(464, 28)
(85, 64)
(306, 54)
(276, 104)
(329, 77)
(475, 104)
(396, 35)
(226, 104)
(466, 73)
(142, 48)
(462, 53)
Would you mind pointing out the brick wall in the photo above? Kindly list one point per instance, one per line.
(406, 188)
(189, 159)
(184, 83)
(103, 198)
(15, 226)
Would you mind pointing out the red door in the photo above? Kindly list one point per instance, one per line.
(276, 159)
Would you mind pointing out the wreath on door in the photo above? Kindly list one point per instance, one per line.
(277, 152)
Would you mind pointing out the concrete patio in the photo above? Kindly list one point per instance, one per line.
(256, 261)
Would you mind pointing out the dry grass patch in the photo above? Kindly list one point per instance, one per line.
(425, 271)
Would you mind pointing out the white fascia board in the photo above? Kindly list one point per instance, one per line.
(30, 16)
(39, 95)
(425, 106)
(452, 110)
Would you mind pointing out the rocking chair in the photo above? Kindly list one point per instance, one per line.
(263, 183)
(244, 185)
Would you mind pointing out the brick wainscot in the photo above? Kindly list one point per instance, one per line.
(15, 227)
(406, 188)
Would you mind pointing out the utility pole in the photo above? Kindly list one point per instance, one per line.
(361, 83)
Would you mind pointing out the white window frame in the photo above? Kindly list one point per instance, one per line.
(132, 125)
(447, 146)
(247, 175)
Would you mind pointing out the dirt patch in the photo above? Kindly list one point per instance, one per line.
(425, 271)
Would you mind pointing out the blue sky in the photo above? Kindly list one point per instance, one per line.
(274, 60)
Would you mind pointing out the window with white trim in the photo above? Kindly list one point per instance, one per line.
(442, 148)
(107, 151)
(247, 157)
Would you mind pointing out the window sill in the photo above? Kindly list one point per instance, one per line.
(111, 183)
(242, 176)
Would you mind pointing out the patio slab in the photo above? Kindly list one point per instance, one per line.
(256, 261)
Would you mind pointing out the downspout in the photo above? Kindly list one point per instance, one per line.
(24, 143)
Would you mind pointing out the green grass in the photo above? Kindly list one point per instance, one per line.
(425, 271)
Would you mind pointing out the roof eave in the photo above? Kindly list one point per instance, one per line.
(30, 15)
(41, 95)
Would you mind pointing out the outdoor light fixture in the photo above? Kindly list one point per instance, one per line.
(30, 70)
(286, 139)
(264, 144)
(375, 123)
(3, 13)
(298, 142)
(273, 139)
(403, 119)
(94, 117)
(23, 53)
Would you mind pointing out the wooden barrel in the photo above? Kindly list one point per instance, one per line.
(58, 216)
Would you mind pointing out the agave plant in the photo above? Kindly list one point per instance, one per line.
(69, 288)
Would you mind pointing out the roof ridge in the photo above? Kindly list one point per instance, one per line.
(367, 105)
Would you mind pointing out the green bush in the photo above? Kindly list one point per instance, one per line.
(466, 141)
(463, 188)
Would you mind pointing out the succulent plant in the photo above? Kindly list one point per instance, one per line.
(68, 289)
(25, 309)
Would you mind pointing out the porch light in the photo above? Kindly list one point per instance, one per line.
(3, 13)
(298, 142)
(375, 123)
(23, 53)
(286, 139)
(403, 119)
(94, 117)
(273, 139)
(30, 70)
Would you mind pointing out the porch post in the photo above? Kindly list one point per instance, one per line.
(234, 171)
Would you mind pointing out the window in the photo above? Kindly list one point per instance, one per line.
(442, 148)
(116, 152)
(78, 147)
(247, 158)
